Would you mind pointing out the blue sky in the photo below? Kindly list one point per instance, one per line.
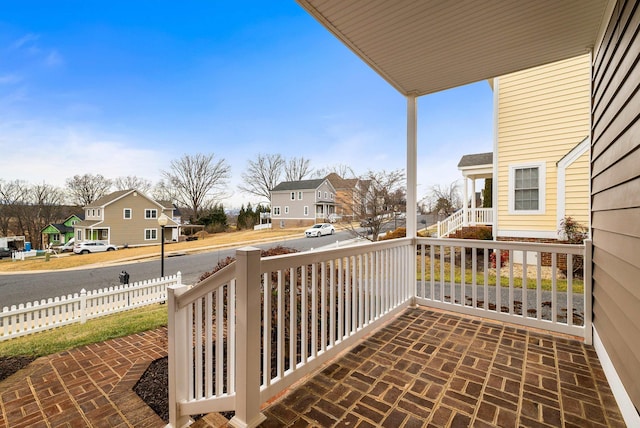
(122, 88)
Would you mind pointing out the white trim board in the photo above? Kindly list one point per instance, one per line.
(627, 409)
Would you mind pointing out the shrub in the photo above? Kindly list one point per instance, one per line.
(477, 232)
(574, 232)
(504, 258)
(400, 232)
(275, 251)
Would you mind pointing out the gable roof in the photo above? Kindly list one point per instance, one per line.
(119, 194)
(340, 183)
(299, 185)
(477, 159)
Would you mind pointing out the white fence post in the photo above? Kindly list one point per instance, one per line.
(83, 306)
(247, 339)
(177, 364)
(588, 291)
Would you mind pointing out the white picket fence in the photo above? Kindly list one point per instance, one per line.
(23, 319)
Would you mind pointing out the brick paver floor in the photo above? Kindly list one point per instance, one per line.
(437, 369)
(424, 369)
(90, 386)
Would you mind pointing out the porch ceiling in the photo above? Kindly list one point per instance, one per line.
(425, 46)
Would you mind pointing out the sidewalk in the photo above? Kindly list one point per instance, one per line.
(87, 386)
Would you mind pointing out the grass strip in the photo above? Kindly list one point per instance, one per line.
(93, 331)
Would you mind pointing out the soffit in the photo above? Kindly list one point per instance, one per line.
(425, 46)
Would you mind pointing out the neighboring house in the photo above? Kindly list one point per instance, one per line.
(126, 218)
(302, 203)
(350, 195)
(60, 233)
(540, 169)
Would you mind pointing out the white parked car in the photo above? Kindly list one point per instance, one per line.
(319, 230)
(87, 247)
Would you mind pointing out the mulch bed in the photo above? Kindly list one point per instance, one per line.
(10, 365)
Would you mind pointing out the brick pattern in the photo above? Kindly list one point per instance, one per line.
(90, 386)
(436, 369)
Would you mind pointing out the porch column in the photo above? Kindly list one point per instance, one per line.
(473, 201)
(465, 203)
(412, 166)
(411, 220)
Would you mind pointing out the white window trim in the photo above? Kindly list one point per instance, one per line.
(542, 191)
(154, 234)
(306, 210)
(286, 209)
(299, 196)
(147, 213)
(124, 215)
(293, 196)
(275, 211)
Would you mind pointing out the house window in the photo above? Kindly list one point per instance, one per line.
(148, 213)
(150, 234)
(527, 188)
(127, 214)
(98, 212)
(276, 211)
(325, 195)
(79, 237)
(286, 210)
(319, 194)
(54, 237)
(299, 196)
(293, 196)
(306, 210)
(105, 234)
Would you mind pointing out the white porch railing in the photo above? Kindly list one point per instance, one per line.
(19, 320)
(475, 216)
(252, 329)
(546, 286)
(292, 314)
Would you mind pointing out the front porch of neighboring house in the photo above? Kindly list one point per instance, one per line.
(473, 167)
(323, 211)
(92, 234)
(258, 327)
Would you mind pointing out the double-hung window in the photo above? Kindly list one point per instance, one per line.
(150, 234)
(126, 214)
(150, 213)
(527, 188)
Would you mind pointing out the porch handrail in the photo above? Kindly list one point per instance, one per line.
(456, 220)
(492, 288)
(288, 314)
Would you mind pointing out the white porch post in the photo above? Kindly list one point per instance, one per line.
(412, 188)
(412, 166)
(473, 201)
(465, 203)
(247, 339)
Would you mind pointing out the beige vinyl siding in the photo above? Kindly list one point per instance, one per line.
(615, 193)
(577, 190)
(542, 114)
(131, 231)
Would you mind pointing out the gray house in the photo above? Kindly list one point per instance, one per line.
(302, 203)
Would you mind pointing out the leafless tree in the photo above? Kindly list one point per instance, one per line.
(262, 175)
(382, 195)
(344, 171)
(444, 200)
(198, 180)
(12, 193)
(163, 191)
(132, 182)
(297, 169)
(85, 189)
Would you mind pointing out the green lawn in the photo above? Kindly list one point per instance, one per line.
(93, 331)
(546, 284)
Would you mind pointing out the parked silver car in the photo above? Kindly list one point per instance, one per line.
(87, 247)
